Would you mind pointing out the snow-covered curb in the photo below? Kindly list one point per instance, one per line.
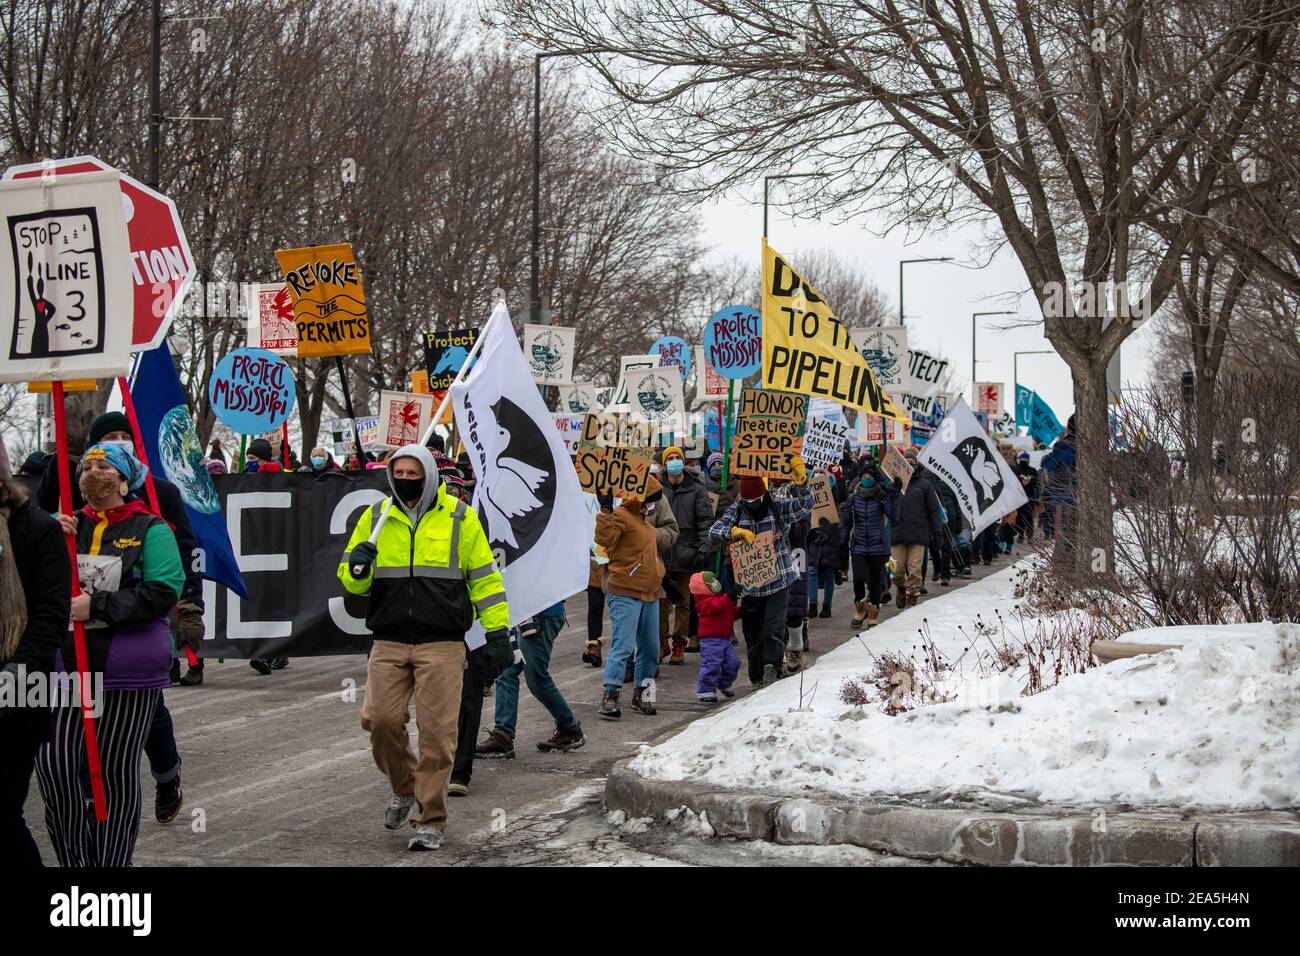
(1214, 726)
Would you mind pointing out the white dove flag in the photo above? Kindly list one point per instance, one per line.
(963, 455)
(527, 493)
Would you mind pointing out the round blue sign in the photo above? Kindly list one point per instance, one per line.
(251, 391)
(733, 341)
(673, 350)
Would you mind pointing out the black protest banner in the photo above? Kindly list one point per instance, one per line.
(445, 353)
(288, 532)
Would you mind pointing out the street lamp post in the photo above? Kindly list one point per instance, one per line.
(771, 179)
(974, 318)
(1015, 364)
(903, 262)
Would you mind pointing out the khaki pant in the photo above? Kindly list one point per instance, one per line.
(682, 619)
(907, 565)
(433, 673)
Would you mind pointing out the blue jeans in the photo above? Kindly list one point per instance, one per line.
(636, 626)
(823, 575)
(536, 668)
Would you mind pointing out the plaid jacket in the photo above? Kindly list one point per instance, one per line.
(784, 511)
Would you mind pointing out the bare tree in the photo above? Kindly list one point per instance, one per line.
(1062, 124)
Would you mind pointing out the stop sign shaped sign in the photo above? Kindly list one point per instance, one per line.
(161, 264)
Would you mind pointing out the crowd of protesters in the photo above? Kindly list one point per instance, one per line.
(660, 572)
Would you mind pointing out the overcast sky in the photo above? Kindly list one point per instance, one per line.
(939, 297)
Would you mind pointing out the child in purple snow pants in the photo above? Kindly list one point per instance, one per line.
(719, 664)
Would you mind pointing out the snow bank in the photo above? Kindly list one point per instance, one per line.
(1216, 725)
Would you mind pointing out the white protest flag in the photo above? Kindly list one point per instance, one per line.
(527, 493)
(962, 454)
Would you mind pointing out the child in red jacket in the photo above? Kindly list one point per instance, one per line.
(719, 664)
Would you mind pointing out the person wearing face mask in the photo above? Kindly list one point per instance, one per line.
(866, 524)
(713, 482)
(763, 611)
(261, 459)
(427, 576)
(825, 554)
(131, 579)
(693, 511)
(319, 462)
(113, 428)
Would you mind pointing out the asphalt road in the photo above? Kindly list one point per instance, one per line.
(277, 771)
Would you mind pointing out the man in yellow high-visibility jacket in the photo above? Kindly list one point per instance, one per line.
(428, 575)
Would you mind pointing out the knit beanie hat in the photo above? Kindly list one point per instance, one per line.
(109, 422)
(751, 487)
(715, 458)
(705, 582)
(673, 450)
(261, 448)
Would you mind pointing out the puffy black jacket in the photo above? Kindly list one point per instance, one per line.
(693, 510)
(41, 554)
(918, 511)
(868, 518)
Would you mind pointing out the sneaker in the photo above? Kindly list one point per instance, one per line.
(771, 674)
(678, 656)
(457, 789)
(562, 741)
(727, 692)
(260, 665)
(278, 663)
(175, 672)
(167, 802)
(945, 582)
(193, 677)
(609, 708)
(426, 838)
(399, 808)
(592, 654)
(825, 611)
(498, 745)
(707, 698)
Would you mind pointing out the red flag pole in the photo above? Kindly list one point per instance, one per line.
(129, 404)
(284, 444)
(78, 628)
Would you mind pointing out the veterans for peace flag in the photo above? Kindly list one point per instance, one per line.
(962, 454)
(806, 349)
(527, 493)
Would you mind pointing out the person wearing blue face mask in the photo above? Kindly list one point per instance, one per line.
(693, 509)
(319, 461)
(866, 527)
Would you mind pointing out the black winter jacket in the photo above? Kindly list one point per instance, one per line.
(46, 574)
(918, 511)
(693, 510)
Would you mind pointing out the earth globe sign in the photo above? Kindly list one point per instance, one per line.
(182, 461)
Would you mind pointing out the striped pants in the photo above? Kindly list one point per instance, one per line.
(79, 839)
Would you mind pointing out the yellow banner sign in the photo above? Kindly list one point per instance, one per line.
(329, 304)
(807, 350)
